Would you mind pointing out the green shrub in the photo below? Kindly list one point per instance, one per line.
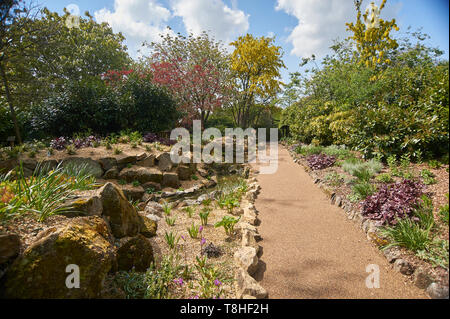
(135, 104)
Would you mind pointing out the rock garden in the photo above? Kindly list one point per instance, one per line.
(135, 224)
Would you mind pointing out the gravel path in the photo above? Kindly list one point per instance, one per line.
(310, 249)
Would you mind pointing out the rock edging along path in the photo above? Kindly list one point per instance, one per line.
(310, 249)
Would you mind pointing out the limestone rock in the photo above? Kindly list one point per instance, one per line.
(141, 174)
(148, 161)
(170, 180)
(133, 192)
(122, 216)
(247, 258)
(85, 206)
(421, 278)
(148, 227)
(248, 240)
(247, 285)
(112, 173)
(154, 208)
(184, 172)
(135, 252)
(126, 159)
(165, 163)
(391, 254)
(437, 291)
(403, 267)
(40, 272)
(107, 163)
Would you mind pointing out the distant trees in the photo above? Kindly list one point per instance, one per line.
(41, 55)
(195, 69)
(255, 67)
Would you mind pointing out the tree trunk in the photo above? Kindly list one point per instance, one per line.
(11, 106)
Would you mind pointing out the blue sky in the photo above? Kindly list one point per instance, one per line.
(301, 27)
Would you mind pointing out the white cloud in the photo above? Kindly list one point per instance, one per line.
(138, 20)
(322, 21)
(223, 22)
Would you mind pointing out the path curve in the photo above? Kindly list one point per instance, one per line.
(310, 249)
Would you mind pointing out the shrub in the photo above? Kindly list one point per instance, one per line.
(320, 161)
(309, 150)
(393, 202)
(353, 166)
(135, 104)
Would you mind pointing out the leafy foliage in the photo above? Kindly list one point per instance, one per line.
(393, 202)
(133, 104)
(399, 108)
(320, 161)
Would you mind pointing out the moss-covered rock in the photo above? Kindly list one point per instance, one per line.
(40, 272)
(121, 215)
(85, 206)
(148, 226)
(135, 252)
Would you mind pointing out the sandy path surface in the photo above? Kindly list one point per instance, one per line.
(310, 248)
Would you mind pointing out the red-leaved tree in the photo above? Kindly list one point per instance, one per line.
(195, 70)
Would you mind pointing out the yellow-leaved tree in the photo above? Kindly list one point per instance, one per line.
(255, 64)
(372, 35)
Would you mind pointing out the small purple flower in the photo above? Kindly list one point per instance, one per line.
(195, 297)
(200, 229)
(217, 282)
(203, 241)
(179, 281)
(182, 237)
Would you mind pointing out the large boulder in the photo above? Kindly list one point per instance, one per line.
(165, 163)
(9, 247)
(40, 272)
(122, 217)
(135, 252)
(141, 174)
(92, 166)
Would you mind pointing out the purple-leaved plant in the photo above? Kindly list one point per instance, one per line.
(320, 161)
(392, 202)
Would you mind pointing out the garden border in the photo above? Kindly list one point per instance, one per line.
(421, 278)
(247, 256)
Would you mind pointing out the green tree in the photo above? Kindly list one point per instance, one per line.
(255, 66)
